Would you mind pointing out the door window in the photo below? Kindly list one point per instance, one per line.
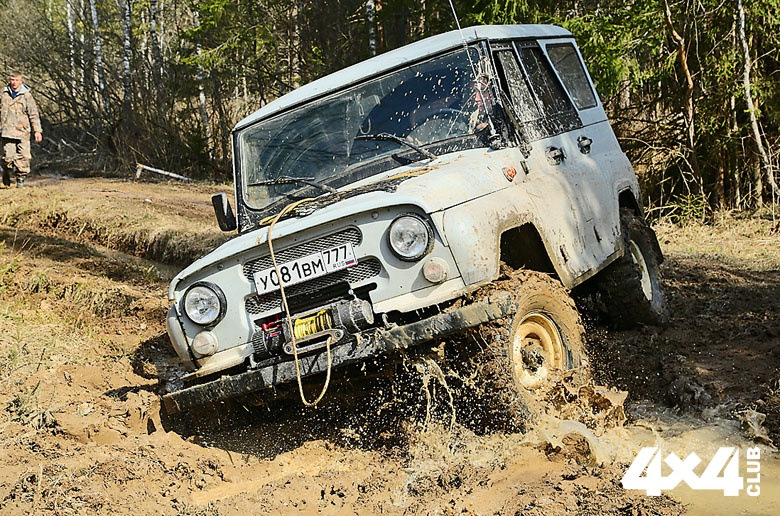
(546, 86)
(538, 99)
(569, 67)
(521, 97)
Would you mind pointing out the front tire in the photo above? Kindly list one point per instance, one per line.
(544, 339)
(631, 287)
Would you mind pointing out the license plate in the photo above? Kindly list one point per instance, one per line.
(306, 268)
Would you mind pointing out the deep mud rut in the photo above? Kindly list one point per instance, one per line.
(84, 357)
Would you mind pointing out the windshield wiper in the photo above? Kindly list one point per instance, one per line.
(287, 180)
(397, 139)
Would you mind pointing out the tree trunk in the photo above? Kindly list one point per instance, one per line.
(127, 28)
(161, 33)
(82, 47)
(71, 45)
(154, 41)
(370, 21)
(733, 134)
(766, 165)
(99, 55)
(682, 54)
(294, 44)
(224, 123)
(422, 24)
(204, 114)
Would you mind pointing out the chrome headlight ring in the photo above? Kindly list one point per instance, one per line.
(410, 237)
(204, 304)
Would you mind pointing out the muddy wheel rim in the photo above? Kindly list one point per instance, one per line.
(537, 348)
(638, 258)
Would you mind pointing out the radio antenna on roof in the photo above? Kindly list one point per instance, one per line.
(455, 14)
(463, 38)
(494, 138)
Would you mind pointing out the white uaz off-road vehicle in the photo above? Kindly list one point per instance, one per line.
(373, 205)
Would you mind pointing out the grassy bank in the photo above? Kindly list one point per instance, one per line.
(168, 223)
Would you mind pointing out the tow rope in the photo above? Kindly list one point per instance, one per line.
(286, 307)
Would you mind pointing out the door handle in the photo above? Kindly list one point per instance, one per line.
(555, 156)
(584, 143)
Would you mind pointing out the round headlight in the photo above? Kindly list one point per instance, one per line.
(204, 303)
(410, 237)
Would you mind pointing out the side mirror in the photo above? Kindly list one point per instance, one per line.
(225, 217)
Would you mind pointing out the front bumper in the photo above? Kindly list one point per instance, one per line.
(373, 343)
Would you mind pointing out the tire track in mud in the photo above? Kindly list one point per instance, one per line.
(153, 221)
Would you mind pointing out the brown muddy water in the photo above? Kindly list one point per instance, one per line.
(683, 435)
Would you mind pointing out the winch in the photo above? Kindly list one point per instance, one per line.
(312, 329)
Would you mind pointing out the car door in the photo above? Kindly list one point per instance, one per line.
(566, 189)
(596, 142)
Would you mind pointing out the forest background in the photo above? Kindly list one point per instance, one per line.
(691, 86)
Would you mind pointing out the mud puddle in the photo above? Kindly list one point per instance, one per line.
(682, 434)
(686, 434)
(409, 444)
(414, 437)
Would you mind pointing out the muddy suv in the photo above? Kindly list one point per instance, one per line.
(468, 178)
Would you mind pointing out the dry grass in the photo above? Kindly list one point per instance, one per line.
(69, 295)
(162, 222)
(747, 243)
(54, 313)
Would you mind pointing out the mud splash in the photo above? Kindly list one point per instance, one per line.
(585, 429)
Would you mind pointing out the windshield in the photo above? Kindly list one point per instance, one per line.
(333, 137)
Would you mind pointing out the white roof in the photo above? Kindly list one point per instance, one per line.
(395, 58)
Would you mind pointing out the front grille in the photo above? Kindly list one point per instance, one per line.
(351, 235)
(365, 269)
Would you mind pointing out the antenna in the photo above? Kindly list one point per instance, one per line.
(463, 38)
(457, 22)
(494, 138)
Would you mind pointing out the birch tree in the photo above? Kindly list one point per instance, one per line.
(126, 9)
(371, 22)
(766, 164)
(157, 66)
(101, 80)
(202, 107)
(71, 42)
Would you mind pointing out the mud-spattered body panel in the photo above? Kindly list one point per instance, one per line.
(422, 170)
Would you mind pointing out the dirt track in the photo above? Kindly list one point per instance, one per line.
(82, 351)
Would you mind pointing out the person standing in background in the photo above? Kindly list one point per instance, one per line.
(18, 117)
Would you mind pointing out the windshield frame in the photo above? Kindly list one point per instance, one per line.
(392, 154)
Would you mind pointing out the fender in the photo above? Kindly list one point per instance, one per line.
(479, 225)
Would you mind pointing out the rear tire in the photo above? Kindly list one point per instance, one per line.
(631, 287)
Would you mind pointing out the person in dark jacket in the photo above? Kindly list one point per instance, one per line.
(18, 117)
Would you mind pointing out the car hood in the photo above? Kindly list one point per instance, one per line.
(433, 186)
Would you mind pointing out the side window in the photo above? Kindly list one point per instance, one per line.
(569, 67)
(522, 99)
(546, 86)
(538, 99)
